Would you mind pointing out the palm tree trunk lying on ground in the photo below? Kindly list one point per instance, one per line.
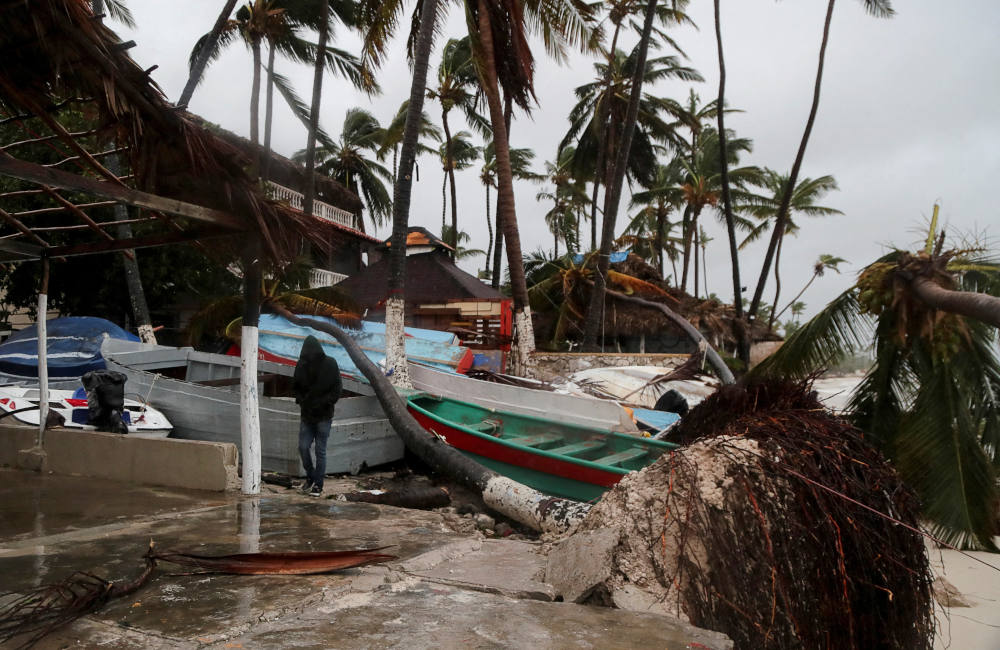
(538, 511)
(983, 307)
(713, 357)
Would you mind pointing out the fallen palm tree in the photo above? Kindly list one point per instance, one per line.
(28, 617)
(525, 505)
(778, 525)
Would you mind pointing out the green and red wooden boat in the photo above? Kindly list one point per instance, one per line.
(563, 460)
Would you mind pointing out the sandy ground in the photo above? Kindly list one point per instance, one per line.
(976, 627)
(959, 628)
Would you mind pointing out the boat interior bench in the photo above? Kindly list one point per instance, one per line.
(577, 447)
(621, 457)
(536, 441)
(491, 427)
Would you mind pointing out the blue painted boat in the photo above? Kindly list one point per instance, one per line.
(281, 341)
(73, 348)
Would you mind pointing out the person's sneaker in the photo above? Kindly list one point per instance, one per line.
(305, 487)
(315, 491)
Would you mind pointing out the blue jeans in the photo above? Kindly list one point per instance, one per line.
(317, 432)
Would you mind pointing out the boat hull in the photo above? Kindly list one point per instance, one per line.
(555, 477)
(359, 437)
(555, 457)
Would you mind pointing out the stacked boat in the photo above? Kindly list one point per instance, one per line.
(566, 445)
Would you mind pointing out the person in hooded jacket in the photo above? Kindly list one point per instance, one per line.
(317, 387)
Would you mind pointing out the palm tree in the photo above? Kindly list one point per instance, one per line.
(392, 137)
(931, 401)
(499, 34)
(803, 201)
(597, 119)
(278, 23)
(823, 264)
(461, 238)
(663, 196)
(566, 197)
(346, 161)
(702, 186)
(613, 193)
(379, 20)
(618, 12)
(197, 68)
(878, 8)
(457, 153)
(520, 161)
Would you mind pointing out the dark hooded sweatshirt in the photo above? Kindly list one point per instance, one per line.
(316, 382)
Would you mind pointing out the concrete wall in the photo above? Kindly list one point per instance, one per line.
(175, 463)
(549, 365)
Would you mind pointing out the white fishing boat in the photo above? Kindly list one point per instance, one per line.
(21, 402)
(581, 410)
(199, 392)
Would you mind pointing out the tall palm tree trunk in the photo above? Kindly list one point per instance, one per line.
(395, 352)
(777, 286)
(450, 177)
(255, 102)
(508, 111)
(740, 333)
(600, 165)
(444, 199)
(686, 234)
(524, 342)
(661, 216)
(786, 199)
(489, 229)
(309, 191)
(198, 69)
(613, 191)
(697, 247)
(454, 212)
(268, 115)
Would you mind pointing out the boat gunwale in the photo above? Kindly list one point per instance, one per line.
(667, 446)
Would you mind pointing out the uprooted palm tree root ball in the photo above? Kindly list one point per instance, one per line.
(740, 531)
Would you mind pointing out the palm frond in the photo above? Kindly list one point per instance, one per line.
(835, 331)
(299, 108)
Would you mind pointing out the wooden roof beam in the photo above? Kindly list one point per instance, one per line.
(78, 213)
(33, 173)
(24, 230)
(192, 236)
(82, 206)
(12, 250)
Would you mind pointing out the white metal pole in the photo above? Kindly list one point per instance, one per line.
(249, 411)
(43, 367)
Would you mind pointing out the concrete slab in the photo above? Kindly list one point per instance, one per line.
(446, 590)
(509, 568)
(146, 461)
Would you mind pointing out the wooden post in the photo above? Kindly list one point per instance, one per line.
(43, 362)
(249, 403)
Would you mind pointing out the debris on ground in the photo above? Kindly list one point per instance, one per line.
(765, 528)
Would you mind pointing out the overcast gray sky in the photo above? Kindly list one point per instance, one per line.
(908, 116)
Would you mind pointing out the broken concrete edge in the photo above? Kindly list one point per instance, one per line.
(167, 462)
(582, 563)
(530, 507)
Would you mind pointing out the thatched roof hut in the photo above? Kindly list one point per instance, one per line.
(627, 320)
(70, 92)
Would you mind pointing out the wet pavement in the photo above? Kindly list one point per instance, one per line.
(445, 590)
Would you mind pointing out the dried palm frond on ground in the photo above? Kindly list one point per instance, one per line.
(28, 617)
(764, 528)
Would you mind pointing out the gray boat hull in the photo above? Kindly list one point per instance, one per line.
(360, 436)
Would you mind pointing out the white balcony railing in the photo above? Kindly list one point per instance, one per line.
(322, 278)
(320, 209)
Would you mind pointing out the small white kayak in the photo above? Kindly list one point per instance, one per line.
(141, 419)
